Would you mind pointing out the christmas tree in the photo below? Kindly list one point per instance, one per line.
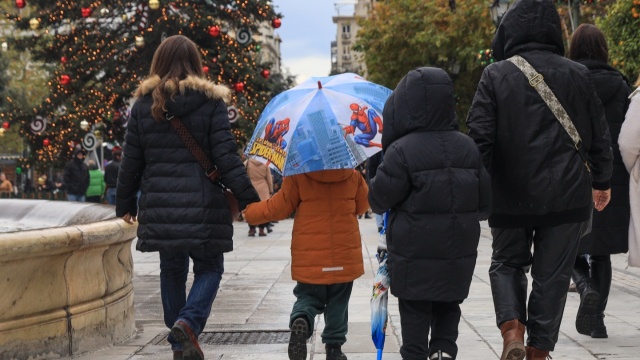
(99, 51)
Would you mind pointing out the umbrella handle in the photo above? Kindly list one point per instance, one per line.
(379, 354)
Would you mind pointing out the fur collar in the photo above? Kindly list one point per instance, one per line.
(204, 86)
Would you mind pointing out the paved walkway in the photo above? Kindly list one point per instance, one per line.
(250, 315)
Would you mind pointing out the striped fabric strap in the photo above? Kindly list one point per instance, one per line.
(537, 81)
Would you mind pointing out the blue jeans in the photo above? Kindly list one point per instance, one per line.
(194, 309)
(79, 198)
(111, 196)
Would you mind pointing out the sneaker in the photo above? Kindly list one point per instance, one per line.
(439, 355)
(298, 340)
(189, 341)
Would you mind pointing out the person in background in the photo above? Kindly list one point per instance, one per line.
(183, 215)
(372, 168)
(6, 188)
(544, 186)
(434, 184)
(610, 229)
(96, 183)
(261, 180)
(111, 174)
(326, 251)
(44, 184)
(630, 152)
(76, 177)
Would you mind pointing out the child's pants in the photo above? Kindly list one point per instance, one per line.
(418, 317)
(332, 300)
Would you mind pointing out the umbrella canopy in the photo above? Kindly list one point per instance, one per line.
(379, 299)
(325, 123)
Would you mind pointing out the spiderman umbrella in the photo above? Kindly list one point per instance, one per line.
(379, 299)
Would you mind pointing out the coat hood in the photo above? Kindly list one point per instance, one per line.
(528, 25)
(422, 101)
(192, 92)
(330, 176)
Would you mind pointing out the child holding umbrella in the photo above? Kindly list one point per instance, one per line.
(326, 250)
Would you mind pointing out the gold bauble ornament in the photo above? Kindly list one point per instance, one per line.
(154, 4)
(140, 41)
(34, 24)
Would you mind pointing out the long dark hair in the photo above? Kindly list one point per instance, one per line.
(588, 43)
(176, 58)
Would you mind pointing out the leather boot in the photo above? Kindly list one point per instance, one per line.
(262, 233)
(513, 336)
(589, 297)
(252, 231)
(601, 278)
(334, 352)
(537, 354)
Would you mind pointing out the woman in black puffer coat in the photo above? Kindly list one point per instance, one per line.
(610, 231)
(182, 214)
(433, 180)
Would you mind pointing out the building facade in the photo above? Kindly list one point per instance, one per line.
(343, 57)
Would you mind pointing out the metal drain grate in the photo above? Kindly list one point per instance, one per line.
(236, 338)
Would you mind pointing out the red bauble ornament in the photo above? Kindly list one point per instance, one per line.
(65, 79)
(276, 23)
(239, 86)
(20, 4)
(214, 30)
(265, 73)
(46, 142)
(64, 59)
(6, 125)
(215, 60)
(205, 69)
(86, 12)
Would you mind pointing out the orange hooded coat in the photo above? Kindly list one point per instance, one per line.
(326, 247)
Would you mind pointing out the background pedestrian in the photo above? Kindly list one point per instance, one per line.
(610, 228)
(76, 177)
(96, 183)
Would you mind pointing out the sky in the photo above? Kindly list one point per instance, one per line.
(306, 32)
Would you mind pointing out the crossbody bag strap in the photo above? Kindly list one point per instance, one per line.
(536, 80)
(209, 169)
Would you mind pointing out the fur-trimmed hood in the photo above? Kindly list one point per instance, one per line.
(208, 88)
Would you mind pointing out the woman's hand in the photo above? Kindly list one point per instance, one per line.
(129, 219)
(601, 198)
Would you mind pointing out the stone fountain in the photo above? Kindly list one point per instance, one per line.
(65, 278)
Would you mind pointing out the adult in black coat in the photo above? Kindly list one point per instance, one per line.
(182, 213)
(76, 177)
(433, 180)
(542, 189)
(610, 229)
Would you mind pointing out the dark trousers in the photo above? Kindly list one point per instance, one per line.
(332, 300)
(554, 253)
(194, 309)
(417, 318)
